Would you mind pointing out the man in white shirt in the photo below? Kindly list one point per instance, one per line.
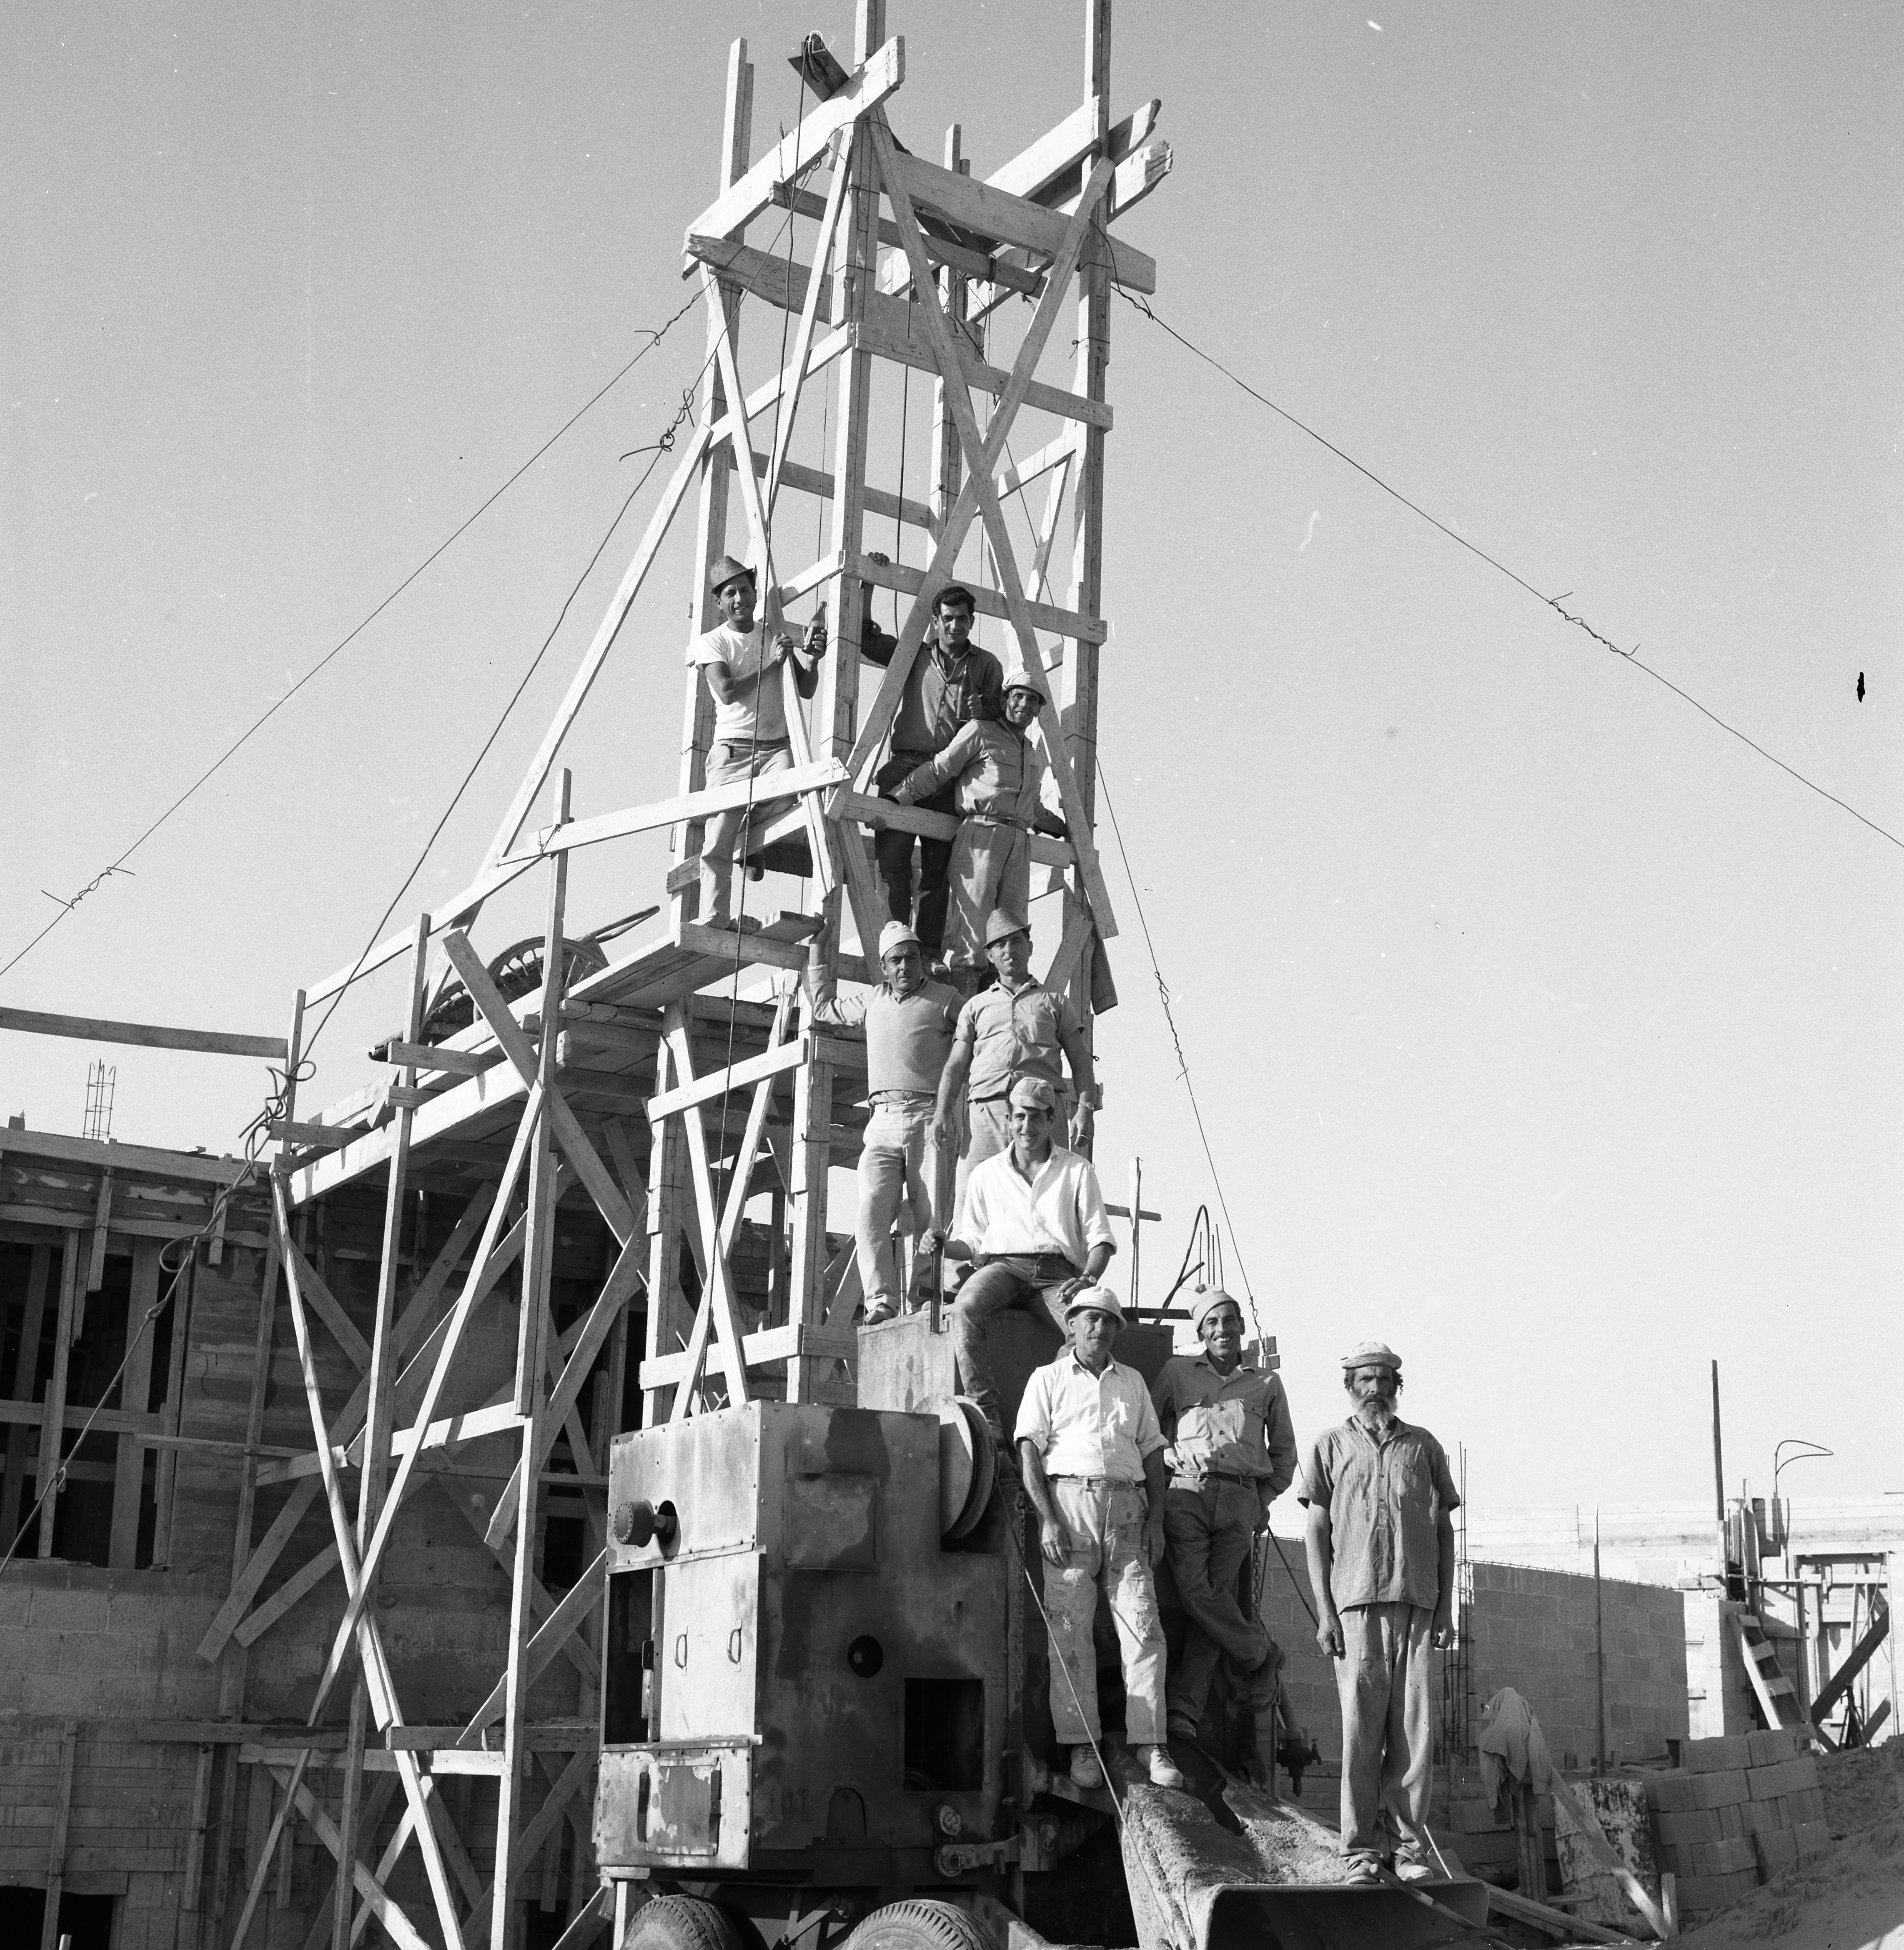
(742, 672)
(1092, 1455)
(1034, 1219)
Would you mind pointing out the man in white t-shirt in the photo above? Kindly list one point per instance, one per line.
(743, 670)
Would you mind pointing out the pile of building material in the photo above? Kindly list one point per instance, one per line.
(1734, 1813)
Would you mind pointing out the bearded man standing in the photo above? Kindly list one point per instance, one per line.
(1381, 1547)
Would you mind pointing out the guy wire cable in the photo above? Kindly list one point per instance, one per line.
(118, 866)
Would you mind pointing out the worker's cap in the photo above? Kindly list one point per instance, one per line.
(1372, 1354)
(727, 570)
(1206, 1304)
(1019, 678)
(896, 934)
(1034, 1093)
(1000, 926)
(958, 597)
(1100, 1299)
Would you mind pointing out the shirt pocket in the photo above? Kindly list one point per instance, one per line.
(1119, 1420)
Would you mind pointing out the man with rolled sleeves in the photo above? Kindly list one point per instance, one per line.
(1092, 1457)
(1381, 1548)
(1034, 1219)
(908, 1023)
(1232, 1452)
(1016, 1028)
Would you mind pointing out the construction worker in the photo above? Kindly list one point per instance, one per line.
(1232, 1452)
(743, 670)
(908, 1023)
(997, 776)
(952, 682)
(1091, 1457)
(1016, 1028)
(1033, 1218)
(1382, 1565)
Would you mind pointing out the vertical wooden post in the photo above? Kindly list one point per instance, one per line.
(947, 456)
(129, 1464)
(1136, 1226)
(531, 1393)
(49, 1928)
(233, 1660)
(838, 716)
(165, 1475)
(1078, 684)
(39, 1272)
(710, 524)
(379, 1414)
(52, 1438)
(669, 1316)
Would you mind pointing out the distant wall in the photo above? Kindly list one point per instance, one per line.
(1536, 1630)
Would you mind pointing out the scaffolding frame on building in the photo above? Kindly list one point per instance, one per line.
(591, 1086)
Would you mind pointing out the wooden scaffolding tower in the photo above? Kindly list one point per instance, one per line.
(617, 1091)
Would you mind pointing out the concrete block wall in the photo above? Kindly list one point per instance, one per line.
(1721, 1695)
(103, 1649)
(1741, 1809)
(1536, 1631)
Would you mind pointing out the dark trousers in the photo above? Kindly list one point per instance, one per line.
(1029, 1280)
(892, 853)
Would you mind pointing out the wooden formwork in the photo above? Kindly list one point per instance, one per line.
(652, 1095)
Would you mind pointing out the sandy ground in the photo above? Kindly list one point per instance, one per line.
(1850, 1898)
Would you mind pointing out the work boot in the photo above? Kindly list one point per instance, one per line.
(1085, 1770)
(1413, 1869)
(884, 1308)
(1164, 1772)
(1362, 1871)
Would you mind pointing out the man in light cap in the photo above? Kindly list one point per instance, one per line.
(743, 670)
(1016, 1028)
(1382, 1565)
(1033, 1218)
(997, 775)
(908, 1023)
(1092, 1457)
(1232, 1452)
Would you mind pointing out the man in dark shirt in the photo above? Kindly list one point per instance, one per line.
(952, 681)
(1381, 1564)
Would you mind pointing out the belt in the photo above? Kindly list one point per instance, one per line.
(1100, 1482)
(1044, 1262)
(754, 744)
(901, 1097)
(998, 819)
(1218, 1476)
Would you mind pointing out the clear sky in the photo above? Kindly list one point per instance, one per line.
(1539, 1027)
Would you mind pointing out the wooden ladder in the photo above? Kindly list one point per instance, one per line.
(1777, 1697)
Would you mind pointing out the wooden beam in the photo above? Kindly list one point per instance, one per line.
(129, 1465)
(1058, 154)
(434, 1056)
(798, 1340)
(53, 1425)
(1594, 1838)
(734, 209)
(433, 1394)
(989, 602)
(145, 1035)
(697, 806)
(976, 206)
(96, 1250)
(567, 1132)
(104, 1155)
(382, 1905)
(49, 1928)
(770, 1062)
(812, 481)
(883, 334)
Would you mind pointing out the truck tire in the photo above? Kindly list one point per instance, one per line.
(923, 1925)
(679, 1923)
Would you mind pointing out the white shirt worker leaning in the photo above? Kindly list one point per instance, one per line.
(1092, 1455)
